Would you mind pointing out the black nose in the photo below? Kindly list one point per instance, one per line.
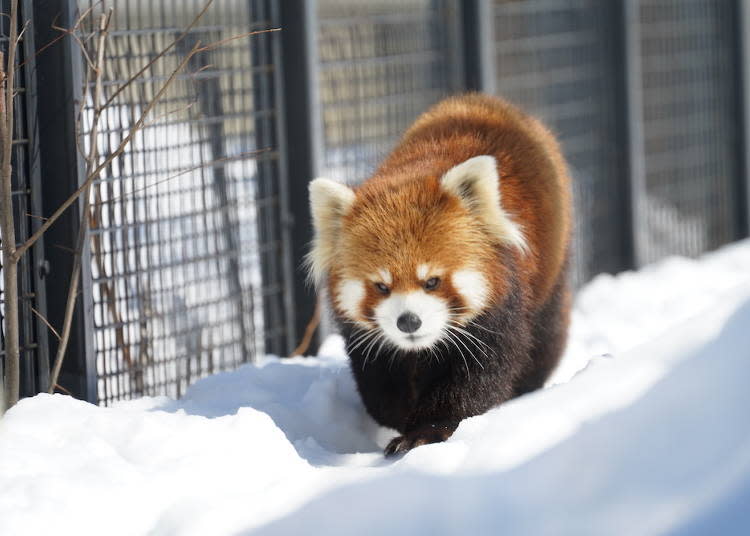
(408, 322)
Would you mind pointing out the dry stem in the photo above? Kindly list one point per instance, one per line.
(312, 325)
(7, 225)
(91, 159)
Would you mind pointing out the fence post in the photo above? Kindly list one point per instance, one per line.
(477, 22)
(634, 193)
(59, 79)
(302, 141)
(34, 366)
(743, 67)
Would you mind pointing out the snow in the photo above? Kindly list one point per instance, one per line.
(642, 430)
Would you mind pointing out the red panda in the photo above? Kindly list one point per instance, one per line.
(447, 269)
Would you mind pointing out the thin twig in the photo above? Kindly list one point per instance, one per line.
(7, 224)
(222, 42)
(46, 323)
(62, 34)
(233, 158)
(160, 55)
(93, 156)
(73, 33)
(312, 325)
(197, 49)
(63, 389)
(108, 290)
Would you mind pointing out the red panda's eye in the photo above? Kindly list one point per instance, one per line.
(432, 283)
(383, 289)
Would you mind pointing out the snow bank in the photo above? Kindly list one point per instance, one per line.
(654, 440)
(679, 453)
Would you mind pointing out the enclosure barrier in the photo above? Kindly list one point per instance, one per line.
(199, 229)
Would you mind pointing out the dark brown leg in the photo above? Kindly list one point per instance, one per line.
(424, 435)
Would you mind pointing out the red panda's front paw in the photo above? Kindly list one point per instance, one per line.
(424, 435)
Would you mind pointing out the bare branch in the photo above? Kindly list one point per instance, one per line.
(20, 35)
(160, 55)
(30, 215)
(7, 225)
(62, 34)
(220, 43)
(119, 150)
(63, 389)
(93, 156)
(46, 323)
(312, 325)
(197, 49)
(72, 32)
(233, 158)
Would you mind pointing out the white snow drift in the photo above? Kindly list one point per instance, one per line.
(655, 439)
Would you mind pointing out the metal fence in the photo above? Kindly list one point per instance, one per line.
(199, 228)
(187, 220)
(26, 196)
(187, 271)
(560, 60)
(380, 65)
(690, 106)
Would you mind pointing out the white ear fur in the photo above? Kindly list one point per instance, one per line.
(329, 203)
(477, 183)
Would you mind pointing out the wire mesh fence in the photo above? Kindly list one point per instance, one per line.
(690, 109)
(191, 268)
(559, 61)
(25, 199)
(186, 219)
(381, 64)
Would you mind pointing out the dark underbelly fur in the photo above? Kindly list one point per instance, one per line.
(424, 395)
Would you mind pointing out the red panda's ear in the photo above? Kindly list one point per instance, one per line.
(477, 183)
(329, 203)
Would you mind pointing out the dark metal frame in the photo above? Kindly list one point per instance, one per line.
(478, 45)
(34, 373)
(634, 191)
(302, 140)
(742, 19)
(59, 83)
(42, 365)
(259, 57)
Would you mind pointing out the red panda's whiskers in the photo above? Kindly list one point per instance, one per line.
(457, 332)
(370, 346)
(479, 326)
(473, 338)
(359, 340)
(451, 338)
(383, 341)
(476, 342)
(433, 354)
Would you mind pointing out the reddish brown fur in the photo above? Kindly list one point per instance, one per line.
(403, 217)
(418, 222)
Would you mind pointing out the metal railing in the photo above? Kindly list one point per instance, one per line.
(200, 273)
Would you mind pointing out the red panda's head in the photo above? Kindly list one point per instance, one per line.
(413, 259)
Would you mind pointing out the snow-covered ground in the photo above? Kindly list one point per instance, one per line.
(644, 430)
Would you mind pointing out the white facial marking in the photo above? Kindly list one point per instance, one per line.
(384, 276)
(431, 311)
(349, 297)
(473, 287)
(423, 270)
